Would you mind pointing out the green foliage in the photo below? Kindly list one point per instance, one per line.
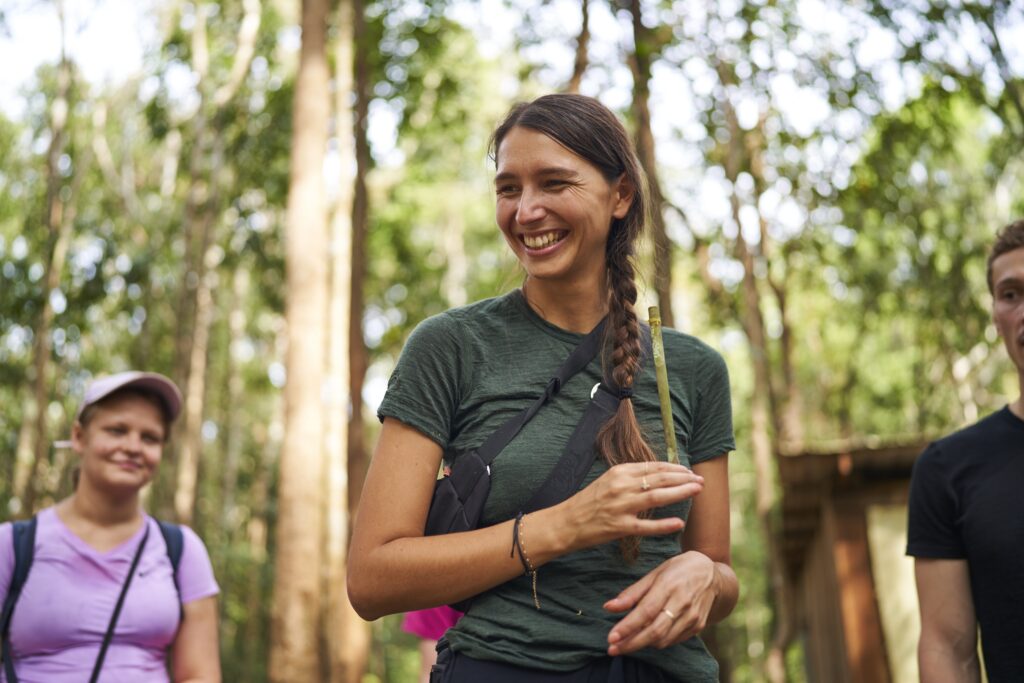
(395, 657)
(920, 211)
(449, 104)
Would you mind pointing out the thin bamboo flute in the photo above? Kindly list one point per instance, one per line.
(664, 397)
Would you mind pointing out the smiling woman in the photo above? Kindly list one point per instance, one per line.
(578, 570)
(95, 584)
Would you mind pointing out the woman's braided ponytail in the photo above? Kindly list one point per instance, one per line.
(620, 440)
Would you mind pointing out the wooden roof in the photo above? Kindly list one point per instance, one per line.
(810, 477)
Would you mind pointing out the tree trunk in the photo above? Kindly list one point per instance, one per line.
(579, 66)
(762, 415)
(58, 228)
(255, 629)
(641, 65)
(240, 283)
(788, 404)
(346, 634)
(764, 464)
(202, 211)
(358, 460)
(195, 394)
(294, 653)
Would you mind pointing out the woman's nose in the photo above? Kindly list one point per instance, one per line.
(133, 442)
(531, 208)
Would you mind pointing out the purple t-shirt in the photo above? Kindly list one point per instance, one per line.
(71, 590)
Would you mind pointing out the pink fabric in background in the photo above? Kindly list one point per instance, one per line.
(430, 623)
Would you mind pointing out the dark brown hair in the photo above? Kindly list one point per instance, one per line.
(587, 128)
(1010, 238)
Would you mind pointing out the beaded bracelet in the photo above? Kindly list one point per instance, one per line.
(528, 568)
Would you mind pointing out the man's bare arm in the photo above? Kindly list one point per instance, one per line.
(948, 649)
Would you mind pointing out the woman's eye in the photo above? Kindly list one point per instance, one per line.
(555, 184)
(505, 189)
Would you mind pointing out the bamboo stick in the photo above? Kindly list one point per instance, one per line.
(664, 397)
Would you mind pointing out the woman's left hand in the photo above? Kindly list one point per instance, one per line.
(667, 606)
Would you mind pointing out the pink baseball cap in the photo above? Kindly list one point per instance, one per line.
(163, 387)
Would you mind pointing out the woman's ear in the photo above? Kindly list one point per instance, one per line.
(77, 437)
(624, 191)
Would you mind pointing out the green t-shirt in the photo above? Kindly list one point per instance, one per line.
(461, 375)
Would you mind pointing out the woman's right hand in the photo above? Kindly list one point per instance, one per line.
(609, 508)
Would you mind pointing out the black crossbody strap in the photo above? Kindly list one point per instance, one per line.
(580, 357)
(117, 608)
(578, 456)
(23, 537)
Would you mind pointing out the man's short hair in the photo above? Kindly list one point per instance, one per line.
(1011, 237)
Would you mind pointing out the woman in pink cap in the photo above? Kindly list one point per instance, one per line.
(110, 593)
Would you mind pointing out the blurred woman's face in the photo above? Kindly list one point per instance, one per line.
(121, 444)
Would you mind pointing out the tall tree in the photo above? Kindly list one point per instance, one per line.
(203, 207)
(57, 219)
(358, 458)
(579, 65)
(347, 635)
(646, 46)
(297, 603)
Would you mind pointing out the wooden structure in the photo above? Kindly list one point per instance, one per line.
(830, 502)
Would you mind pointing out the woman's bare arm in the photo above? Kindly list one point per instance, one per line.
(394, 568)
(196, 654)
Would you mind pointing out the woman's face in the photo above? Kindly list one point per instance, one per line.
(121, 444)
(554, 207)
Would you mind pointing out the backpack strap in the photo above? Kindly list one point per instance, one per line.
(24, 541)
(175, 541)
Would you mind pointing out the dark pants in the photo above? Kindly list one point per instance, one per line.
(453, 667)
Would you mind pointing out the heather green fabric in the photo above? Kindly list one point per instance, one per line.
(465, 372)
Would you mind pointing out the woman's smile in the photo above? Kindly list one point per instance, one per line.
(539, 243)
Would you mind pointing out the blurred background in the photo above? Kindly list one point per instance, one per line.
(264, 212)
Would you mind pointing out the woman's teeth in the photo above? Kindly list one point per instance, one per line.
(544, 240)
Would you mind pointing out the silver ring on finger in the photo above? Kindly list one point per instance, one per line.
(643, 483)
(668, 613)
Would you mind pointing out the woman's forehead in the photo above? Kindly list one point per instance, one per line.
(124, 403)
(525, 150)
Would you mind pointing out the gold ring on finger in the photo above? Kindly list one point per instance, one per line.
(643, 483)
(668, 613)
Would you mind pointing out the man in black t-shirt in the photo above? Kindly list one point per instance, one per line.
(966, 527)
